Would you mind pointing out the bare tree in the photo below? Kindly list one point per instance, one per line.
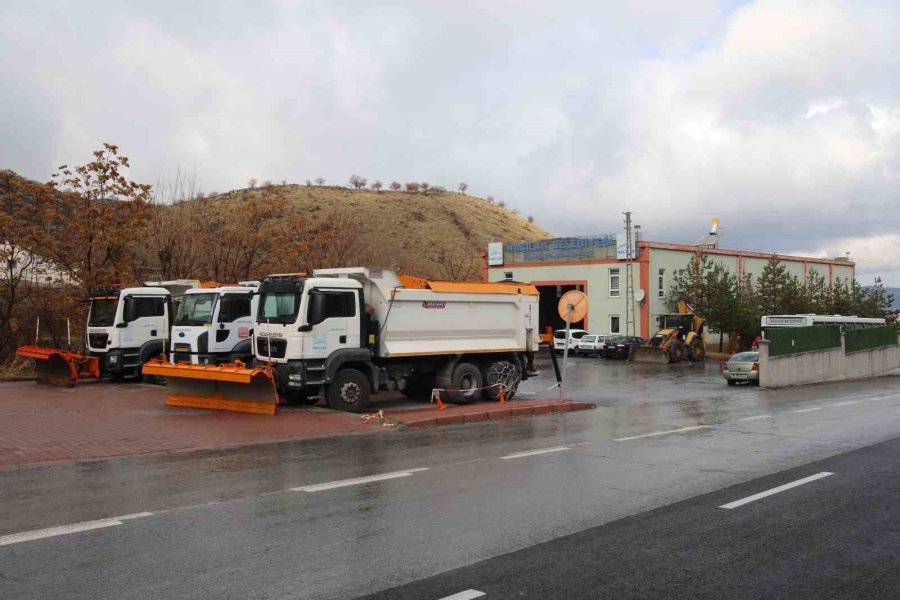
(412, 186)
(463, 187)
(251, 183)
(320, 181)
(267, 183)
(455, 264)
(530, 219)
(501, 204)
(357, 182)
(490, 199)
(425, 185)
(376, 185)
(396, 186)
(309, 183)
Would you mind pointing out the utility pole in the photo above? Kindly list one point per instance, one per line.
(629, 276)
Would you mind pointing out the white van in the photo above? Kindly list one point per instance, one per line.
(559, 339)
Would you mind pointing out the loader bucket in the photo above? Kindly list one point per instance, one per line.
(649, 354)
(233, 387)
(60, 367)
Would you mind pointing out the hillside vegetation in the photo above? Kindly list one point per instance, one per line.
(437, 234)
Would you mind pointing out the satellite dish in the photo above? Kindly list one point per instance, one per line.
(573, 306)
(639, 295)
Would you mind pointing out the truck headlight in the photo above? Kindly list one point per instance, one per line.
(113, 359)
(295, 377)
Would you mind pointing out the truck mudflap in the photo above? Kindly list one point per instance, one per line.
(234, 387)
(649, 354)
(60, 367)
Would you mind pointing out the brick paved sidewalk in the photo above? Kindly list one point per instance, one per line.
(94, 420)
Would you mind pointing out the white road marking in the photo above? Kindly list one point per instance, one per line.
(757, 417)
(803, 410)
(27, 536)
(844, 403)
(465, 595)
(655, 433)
(536, 452)
(321, 487)
(39, 534)
(775, 490)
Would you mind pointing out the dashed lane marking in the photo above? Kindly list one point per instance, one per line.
(465, 595)
(844, 403)
(656, 433)
(758, 417)
(535, 452)
(806, 410)
(39, 534)
(775, 490)
(321, 487)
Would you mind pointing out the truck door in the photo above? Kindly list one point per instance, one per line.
(232, 322)
(339, 326)
(149, 320)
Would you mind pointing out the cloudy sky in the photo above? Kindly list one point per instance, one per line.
(780, 117)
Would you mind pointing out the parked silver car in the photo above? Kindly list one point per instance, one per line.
(743, 366)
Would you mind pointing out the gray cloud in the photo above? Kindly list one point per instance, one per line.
(782, 118)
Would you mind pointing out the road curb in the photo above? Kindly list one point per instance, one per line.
(497, 414)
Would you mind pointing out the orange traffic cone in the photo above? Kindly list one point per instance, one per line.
(436, 396)
(502, 397)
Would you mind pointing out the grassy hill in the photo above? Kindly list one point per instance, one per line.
(434, 234)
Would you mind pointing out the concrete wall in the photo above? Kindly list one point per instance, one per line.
(825, 365)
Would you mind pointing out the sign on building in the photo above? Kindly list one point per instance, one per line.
(559, 249)
(495, 254)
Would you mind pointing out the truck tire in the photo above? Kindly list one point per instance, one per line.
(500, 371)
(151, 379)
(696, 351)
(349, 391)
(676, 351)
(464, 384)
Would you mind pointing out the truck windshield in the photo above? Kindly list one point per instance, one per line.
(103, 312)
(279, 307)
(195, 309)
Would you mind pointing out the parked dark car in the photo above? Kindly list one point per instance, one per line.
(618, 347)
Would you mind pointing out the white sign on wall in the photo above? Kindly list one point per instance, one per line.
(622, 247)
(495, 254)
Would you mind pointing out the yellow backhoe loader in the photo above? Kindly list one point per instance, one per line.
(680, 337)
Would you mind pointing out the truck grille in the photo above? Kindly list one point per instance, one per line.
(279, 347)
(98, 340)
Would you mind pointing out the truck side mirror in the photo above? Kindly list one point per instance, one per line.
(316, 312)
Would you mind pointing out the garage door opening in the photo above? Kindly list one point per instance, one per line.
(548, 313)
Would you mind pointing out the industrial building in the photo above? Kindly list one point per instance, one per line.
(598, 267)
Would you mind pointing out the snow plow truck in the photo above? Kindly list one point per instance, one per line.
(345, 334)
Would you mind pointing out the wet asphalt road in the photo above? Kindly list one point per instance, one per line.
(228, 523)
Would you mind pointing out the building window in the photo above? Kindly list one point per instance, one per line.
(614, 324)
(614, 283)
(661, 291)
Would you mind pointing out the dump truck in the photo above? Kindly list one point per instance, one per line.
(125, 328)
(680, 336)
(344, 334)
(213, 325)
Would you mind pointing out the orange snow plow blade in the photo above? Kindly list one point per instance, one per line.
(60, 367)
(233, 387)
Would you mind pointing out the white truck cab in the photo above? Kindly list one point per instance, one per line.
(126, 327)
(215, 325)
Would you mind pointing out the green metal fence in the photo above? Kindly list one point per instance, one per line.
(794, 340)
(871, 338)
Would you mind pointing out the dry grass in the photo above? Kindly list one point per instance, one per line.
(408, 230)
(17, 367)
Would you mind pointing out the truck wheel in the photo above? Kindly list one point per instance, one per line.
(348, 391)
(501, 372)
(466, 382)
(676, 351)
(696, 350)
